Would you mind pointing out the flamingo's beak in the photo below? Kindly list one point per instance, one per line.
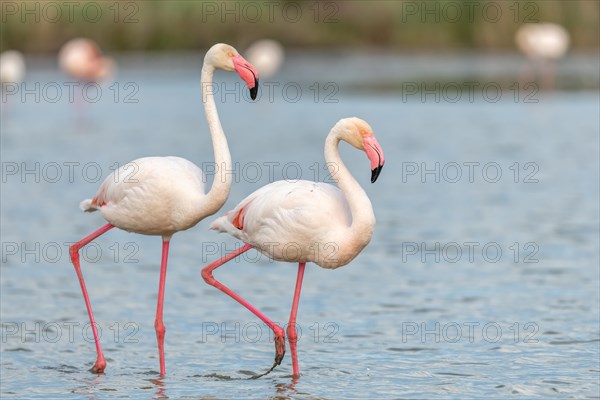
(375, 154)
(248, 73)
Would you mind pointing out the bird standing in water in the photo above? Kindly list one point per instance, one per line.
(304, 222)
(164, 195)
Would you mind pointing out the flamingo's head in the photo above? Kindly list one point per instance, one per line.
(227, 58)
(359, 134)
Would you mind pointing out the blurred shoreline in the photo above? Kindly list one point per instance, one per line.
(379, 71)
(484, 25)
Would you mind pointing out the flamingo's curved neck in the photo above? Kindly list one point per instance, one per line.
(221, 186)
(363, 220)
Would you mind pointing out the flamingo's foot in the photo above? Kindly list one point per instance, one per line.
(279, 353)
(279, 349)
(99, 366)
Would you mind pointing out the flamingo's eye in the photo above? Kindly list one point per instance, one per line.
(230, 53)
(363, 132)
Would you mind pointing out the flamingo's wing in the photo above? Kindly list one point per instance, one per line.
(233, 221)
(286, 211)
(150, 180)
(115, 186)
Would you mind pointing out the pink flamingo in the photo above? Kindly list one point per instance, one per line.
(12, 71)
(163, 195)
(266, 55)
(82, 59)
(12, 67)
(305, 221)
(544, 44)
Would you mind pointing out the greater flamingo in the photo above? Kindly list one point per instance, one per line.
(305, 221)
(12, 67)
(12, 71)
(163, 195)
(266, 55)
(544, 44)
(82, 59)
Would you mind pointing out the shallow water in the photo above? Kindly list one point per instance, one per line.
(478, 285)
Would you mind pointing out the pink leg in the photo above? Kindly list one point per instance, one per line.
(291, 328)
(158, 322)
(278, 331)
(79, 109)
(548, 75)
(74, 253)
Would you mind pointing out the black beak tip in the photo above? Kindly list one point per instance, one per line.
(254, 90)
(375, 173)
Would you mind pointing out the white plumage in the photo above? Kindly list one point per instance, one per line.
(266, 55)
(292, 221)
(545, 41)
(306, 221)
(152, 196)
(12, 66)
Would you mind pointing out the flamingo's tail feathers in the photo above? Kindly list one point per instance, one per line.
(220, 224)
(224, 224)
(87, 205)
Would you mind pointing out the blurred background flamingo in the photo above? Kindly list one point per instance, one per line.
(82, 59)
(12, 72)
(12, 67)
(544, 44)
(267, 56)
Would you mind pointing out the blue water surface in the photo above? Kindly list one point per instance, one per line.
(481, 279)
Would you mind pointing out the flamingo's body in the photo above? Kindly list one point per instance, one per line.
(266, 55)
(82, 59)
(306, 221)
(143, 197)
(546, 41)
(12, 67)
(163, 195)
(291, 214)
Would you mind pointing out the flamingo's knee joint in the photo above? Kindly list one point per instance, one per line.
(160, 329)
(208, 277)
(292, 334)
(74, 252)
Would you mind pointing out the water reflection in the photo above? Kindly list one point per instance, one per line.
(161, 392)
(286, 390)
(90, 386)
